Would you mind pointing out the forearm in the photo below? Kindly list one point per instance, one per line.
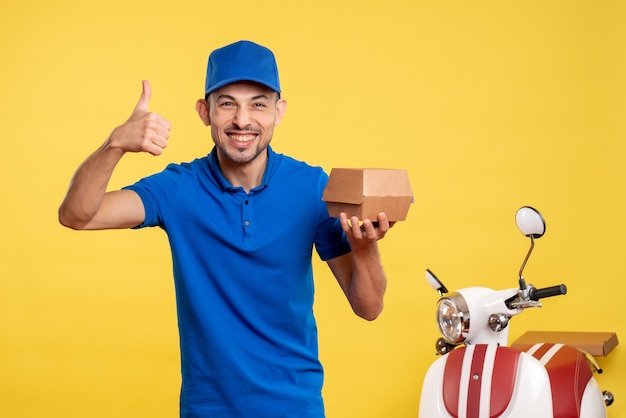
(88, 187)
(368, 283)
(360, 272)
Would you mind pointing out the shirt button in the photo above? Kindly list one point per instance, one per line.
(247, 223)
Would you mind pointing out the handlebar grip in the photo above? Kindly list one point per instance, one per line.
(546, 292)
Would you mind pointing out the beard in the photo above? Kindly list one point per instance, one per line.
(242, 155)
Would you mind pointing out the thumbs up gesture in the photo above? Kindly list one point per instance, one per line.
(144, 131)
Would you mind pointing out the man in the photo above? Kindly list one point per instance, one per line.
(242, 223)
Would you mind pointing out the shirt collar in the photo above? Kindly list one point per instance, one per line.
(214, 168)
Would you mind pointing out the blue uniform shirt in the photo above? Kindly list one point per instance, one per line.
(244, 284)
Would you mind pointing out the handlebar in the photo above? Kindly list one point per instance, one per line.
(546, 292)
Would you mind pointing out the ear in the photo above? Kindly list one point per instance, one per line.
(202, 107)
(281, 108)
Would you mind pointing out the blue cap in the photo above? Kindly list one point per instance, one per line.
(241, 61)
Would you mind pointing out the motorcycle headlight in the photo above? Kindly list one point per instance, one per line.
(453, 318)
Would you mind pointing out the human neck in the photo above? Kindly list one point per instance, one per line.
(247, 175)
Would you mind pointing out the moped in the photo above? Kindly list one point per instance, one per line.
(479, 376)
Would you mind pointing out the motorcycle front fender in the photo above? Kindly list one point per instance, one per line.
(530, 396)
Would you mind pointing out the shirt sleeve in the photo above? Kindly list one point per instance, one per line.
(330, 240)
(157, 193)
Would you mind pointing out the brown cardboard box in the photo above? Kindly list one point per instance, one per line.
(364, 192)
(595, 343)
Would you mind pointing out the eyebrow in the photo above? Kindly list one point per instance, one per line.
(229, 97)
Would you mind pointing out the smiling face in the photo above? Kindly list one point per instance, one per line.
(242, 116)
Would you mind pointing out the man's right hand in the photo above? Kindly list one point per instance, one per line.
(87, 204)
(144, 131)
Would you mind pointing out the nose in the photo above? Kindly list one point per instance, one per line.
(242, 117)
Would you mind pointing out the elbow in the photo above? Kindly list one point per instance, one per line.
(368, 305)
(64, 221)
(69, 221)
(370, 313)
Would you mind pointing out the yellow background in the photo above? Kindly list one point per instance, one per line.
(490, 105)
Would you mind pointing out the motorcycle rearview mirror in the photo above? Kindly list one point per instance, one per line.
(530, 222)
(435, 283)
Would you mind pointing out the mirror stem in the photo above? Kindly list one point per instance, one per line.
(522, 282)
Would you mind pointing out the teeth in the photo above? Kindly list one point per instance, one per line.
(242, 138)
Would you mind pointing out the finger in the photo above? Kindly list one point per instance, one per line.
(159, 125)
(157, 140)
(155, 149)
(345, 225)
(370, 228)
(165, 123)
(357, 232)
(162, 140)
(383, 222)
(155, 145)
(343, 221)
(144, 99)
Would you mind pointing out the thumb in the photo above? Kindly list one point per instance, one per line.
(144, 99)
